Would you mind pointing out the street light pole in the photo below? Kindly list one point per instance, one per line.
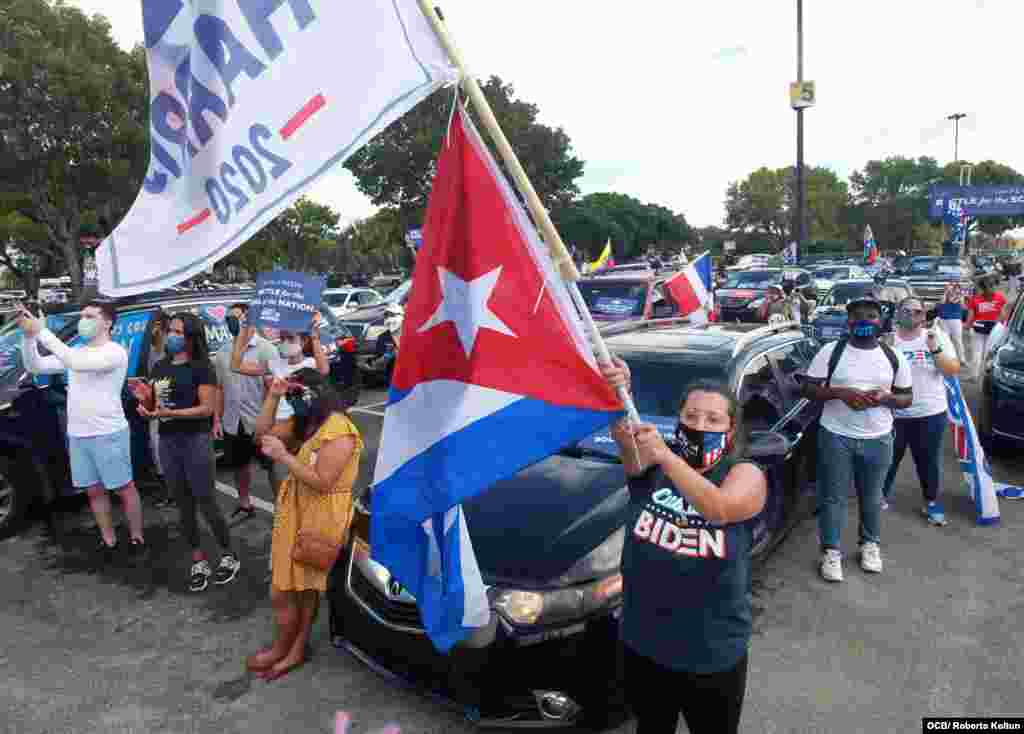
(956, 134)
(800, 224)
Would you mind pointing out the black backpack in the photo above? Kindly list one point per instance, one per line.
(837, 352)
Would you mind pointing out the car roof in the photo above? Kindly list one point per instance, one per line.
(872, 281)
(619, 278)
(676, 339)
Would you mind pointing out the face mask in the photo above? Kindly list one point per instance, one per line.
(865, 329)
(174, 344)
(289, 349)
(234, 326)
(88, 328)
(700, 449)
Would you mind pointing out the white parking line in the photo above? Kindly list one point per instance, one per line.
(379, 413)
(256, 501)
(374, 405)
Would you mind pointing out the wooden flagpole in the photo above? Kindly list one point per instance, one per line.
(559, 253)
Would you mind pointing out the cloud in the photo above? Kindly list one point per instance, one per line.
(729, 54)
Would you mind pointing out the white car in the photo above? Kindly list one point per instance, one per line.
(345, 300)
(825, 277)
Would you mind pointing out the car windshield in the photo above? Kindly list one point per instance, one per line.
(753, 278)
(614, 298)
(830, 273)
(842, 294)
(657, 386)
(398, 293)
(336, 299)
(922, 267)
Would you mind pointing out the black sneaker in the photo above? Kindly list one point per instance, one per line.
(199, 576)
(137, 549)
(227, 569)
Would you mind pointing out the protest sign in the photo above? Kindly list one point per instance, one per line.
(286, 300)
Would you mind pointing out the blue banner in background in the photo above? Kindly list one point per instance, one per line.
(1004, 200)
(286, 300)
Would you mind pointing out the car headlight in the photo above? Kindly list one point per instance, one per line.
(602, 588)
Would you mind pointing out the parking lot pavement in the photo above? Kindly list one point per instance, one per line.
(126, 649)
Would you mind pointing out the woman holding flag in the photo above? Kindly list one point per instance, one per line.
(686, 563)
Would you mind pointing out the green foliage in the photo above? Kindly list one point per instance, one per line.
(396, 168)
(299, 238)
(632, 226)
(72, 124)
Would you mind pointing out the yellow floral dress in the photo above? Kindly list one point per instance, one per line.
(301, 507)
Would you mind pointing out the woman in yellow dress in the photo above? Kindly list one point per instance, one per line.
(316, 497)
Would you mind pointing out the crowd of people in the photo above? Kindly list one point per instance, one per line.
(267, 396)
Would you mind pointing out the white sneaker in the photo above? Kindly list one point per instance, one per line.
(871, 558)
(832, 565)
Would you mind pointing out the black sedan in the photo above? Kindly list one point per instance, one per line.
(549, 540)
(1001, 407)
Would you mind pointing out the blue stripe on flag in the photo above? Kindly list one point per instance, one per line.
(495, 447)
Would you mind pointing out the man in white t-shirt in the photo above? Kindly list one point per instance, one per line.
(922, 426)
(99, 440)
(861, 381)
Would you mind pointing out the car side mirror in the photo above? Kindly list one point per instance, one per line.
(769, 445)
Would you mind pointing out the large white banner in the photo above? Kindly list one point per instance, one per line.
(250, 102)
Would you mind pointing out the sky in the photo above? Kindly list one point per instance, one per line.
(670, 102)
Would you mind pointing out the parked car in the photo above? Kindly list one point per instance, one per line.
(626, 298)
(829, 320)
(825, 277)
(639, 269)
(549, 540)
(1001, 405)
(739, 297)
(33, 414)
(343, 300)
(930, 275)
(368, 323)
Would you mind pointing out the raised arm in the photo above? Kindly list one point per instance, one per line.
(83, 360)
(251, 369)
(35, 363)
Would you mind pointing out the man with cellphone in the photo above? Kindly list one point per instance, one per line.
(861, 380)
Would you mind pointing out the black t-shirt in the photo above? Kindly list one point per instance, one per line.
(686, 581)
(176, 386)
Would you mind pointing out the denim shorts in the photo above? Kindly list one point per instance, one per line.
(105, 460)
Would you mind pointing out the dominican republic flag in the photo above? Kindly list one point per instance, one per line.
(691, 287)
(494, 374)
(973, 463)
(870, 246)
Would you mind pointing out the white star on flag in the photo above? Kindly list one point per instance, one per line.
(464, 303)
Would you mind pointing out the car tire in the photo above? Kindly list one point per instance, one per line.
(15, 498)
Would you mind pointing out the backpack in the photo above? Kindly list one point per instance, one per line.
(837, 352)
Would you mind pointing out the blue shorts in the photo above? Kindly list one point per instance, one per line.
(105, 460)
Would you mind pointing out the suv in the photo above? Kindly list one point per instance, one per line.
(739, 298)
(549, 540)
(626, 298)
(33, 414)
(929, 276)
(343, 300)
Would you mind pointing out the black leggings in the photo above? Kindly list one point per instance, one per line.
(711, 703)
(188, 463)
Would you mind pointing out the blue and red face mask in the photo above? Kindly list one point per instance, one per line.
(700, 449)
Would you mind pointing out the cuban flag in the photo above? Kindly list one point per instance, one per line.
(691, 287)
(870, 246)
(494, 374)
(973, 462)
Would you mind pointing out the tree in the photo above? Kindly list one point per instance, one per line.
(892, 196)
(376, 243)
(73, 124)
(298, 238)
(763, 204)
(396, 168)
(631, 225)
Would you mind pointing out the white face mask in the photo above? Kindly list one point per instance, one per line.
(289, 349)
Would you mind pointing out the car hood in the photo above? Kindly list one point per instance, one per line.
(748, 293)
(363, 314)
(531, 528)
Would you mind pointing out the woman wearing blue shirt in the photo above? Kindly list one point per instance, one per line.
(951, 313)
(686, 621)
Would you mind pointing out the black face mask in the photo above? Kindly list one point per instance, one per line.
(699, 449)
(234, 326)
